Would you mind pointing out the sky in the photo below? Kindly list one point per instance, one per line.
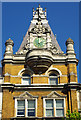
(63, 18)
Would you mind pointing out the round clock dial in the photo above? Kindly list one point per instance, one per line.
(39, 42)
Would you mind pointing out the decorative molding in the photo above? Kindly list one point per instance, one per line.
(38, 28)
(40, 75)
(55, 69)
(63, 75)
(54, 94)
(72, 73)
(26, 95)
(73, 82)
(7, 74)
(24, 70)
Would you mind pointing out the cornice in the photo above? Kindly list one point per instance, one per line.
(57, 59)
(67, 86)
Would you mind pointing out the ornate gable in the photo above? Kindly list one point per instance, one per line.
(54, 94)
(26, 95)
(39, 27)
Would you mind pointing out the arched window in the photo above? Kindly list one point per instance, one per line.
(26, 79)
(53, 79)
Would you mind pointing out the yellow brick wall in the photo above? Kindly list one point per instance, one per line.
(8, 105)
(72, 68)
(72, 94)
(8, 101)
(74, 98)
(62, 68)
(65, 70)
(15, 80)
(7, 79)
(41, 80)
(12, 69)
(63, 79)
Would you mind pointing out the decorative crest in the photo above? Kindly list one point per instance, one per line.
(39, 14)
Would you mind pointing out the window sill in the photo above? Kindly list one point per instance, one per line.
(47, 118)
(19, 118)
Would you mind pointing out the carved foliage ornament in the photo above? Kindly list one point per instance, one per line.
(54, 49)
(38, 28)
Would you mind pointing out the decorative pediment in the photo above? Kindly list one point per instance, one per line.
(39, 27)
(54, 94)
(26, 95)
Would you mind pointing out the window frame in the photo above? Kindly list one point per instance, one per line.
(59, 107)
(29, 77)
(30, 108)
(53, 77)
(49, 108)
(26, 107)
(54, 107)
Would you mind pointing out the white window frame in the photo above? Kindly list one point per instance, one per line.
(58, 108)
(54, 106)
(17, 109)
(26, 107)
(49, 108)
(24, 83)
(31, 108)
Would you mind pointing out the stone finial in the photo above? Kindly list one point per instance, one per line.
(33, 9)
(69, 45)
(69, 41)
(39, 14)
(9, 42)
(39, 5)
(9, 46)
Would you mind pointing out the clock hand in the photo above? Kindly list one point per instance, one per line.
(40, 40)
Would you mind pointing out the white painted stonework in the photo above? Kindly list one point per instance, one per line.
(1, 81)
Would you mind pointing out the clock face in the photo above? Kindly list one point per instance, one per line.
(39, 42)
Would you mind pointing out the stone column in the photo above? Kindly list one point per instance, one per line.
(71, 61)
(9, 48)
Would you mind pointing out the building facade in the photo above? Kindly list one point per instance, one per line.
(40, 80)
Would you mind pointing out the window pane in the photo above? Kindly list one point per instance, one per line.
(49, 112)
(31, 112)
(59, 103)
(49, 103)
(31, 103)
(53, 74)
(21, 104)
(21, 112)
(59, 112)
(21, 107)
(26, 80)
(53, 81)
(26, 75)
